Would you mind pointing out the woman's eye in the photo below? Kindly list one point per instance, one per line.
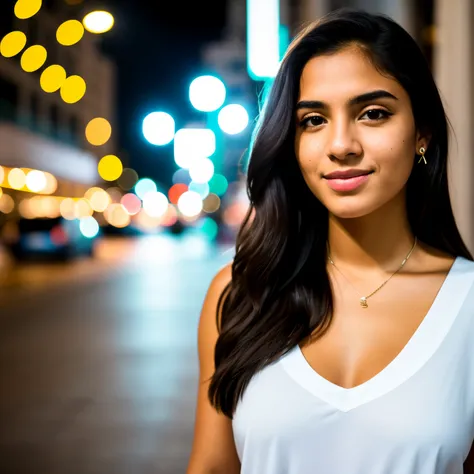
(376, 114)
(312, 121)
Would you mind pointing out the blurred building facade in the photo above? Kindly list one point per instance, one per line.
(227, 58)
(38, 130)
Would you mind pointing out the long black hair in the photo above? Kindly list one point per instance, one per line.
(280, 291)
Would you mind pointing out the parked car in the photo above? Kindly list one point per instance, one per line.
(55, 238)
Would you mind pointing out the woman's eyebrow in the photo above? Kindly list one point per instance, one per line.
(360, 99)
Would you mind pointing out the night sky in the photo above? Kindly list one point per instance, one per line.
(156, 47)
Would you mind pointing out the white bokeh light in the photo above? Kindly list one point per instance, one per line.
(144, 186)
(36, 181)
(191, 144)
(89, 227)
(158, 128)
(155, 204)
(190, 204)
(233, 119)
(207, 93)
(202, 170)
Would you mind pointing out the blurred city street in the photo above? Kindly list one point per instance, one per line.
(99, 366)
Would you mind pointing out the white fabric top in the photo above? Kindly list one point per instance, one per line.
(415, 417)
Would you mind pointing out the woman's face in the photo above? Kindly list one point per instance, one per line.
(352, 120)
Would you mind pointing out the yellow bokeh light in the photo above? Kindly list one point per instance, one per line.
(12, 44)
(90, 192)
(83, 209)
(110, 168)
(100, 200)
(7, 204)
(33, 58)
(73, 89)
(98, 131)
(98, 22)
(16, 178)
(117, 216)
(2, 175)
(27, 8)
(70, 32)
(67, 208)
(51, 184)
(52, 78)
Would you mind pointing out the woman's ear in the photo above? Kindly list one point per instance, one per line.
(422, 140)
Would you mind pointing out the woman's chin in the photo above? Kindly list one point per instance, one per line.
(350, 210)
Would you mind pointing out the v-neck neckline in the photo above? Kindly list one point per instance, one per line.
(419, 349)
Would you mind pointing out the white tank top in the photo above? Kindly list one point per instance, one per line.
(415, 417)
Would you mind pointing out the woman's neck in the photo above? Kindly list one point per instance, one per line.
(378, 241)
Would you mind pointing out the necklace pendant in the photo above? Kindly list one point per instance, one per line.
(363, 302)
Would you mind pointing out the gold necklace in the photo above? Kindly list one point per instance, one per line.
(363, 299)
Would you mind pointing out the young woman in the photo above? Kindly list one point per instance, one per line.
(339, 340)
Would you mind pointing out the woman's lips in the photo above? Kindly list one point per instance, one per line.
(347, 184)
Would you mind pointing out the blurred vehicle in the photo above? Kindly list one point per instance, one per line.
(47, 238)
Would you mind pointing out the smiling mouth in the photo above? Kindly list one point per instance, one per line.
(348, 183)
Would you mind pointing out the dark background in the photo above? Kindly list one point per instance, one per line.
(156, 47)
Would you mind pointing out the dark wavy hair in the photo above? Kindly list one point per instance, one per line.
(280, 291)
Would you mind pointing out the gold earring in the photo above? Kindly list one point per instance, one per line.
(422, 153)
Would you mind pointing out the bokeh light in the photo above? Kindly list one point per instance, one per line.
(52, 78)
(36, 181)
(89, 227)
(207, 93)
(190, 204)
(212, 203)
(70, 32)
(202, 170)
(2, 175)
(193, 143)
(99, 200)
(175, 192)
(73, 89)
(33, 58)
(7, 204)
(51, 183)
(16, 178)
(98, 21)
(181, 176)
(67, 208)
(209, 227)
(83, 208)
(144, 186)
(158, 128)
(117, 216)
(218, 184)
(132, 203)
(233, 119)
(128, 179)
(98, 131)
(12, 44)
(201, 188)
(115, 194)
(155, 204)
(110, 168)
(27, 8)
